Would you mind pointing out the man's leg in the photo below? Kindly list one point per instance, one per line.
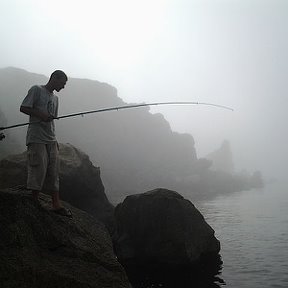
(52, 177)
(37, 166)
(52, 180)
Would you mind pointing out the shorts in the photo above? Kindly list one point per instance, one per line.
(43, 166)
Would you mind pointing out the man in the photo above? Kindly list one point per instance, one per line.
(41, 104)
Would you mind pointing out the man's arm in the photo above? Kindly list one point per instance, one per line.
(34, 112)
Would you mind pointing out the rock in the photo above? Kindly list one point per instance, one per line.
(80, 181)
(81, 184)
(160, 226)
(222, 158)
(39, 248)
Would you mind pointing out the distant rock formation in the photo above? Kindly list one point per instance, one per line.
(222, 159)
(39, 248)
(162, 227)
(80, 181)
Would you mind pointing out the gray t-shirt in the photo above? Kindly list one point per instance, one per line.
(40, 98)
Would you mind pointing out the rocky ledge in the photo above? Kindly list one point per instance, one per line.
(39, 248)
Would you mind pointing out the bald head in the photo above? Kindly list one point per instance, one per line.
(58, 74)
(57, 81)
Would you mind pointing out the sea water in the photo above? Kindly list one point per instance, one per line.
(252, 227)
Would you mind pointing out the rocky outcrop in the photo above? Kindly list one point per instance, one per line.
(222, 158)
(80, 182)
(160, 226)
(39, 248)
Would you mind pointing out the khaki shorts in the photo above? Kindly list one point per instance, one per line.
(43, 166)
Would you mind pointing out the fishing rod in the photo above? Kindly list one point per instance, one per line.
(2, 136)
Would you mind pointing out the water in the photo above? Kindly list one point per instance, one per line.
(252, 227)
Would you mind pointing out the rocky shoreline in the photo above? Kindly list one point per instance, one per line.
(157, 230)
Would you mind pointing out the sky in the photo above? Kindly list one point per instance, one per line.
(226, 52)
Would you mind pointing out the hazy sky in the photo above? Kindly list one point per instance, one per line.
(228, 52)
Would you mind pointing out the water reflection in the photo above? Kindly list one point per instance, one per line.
(204, 275)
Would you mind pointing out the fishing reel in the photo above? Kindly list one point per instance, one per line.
(2, 136)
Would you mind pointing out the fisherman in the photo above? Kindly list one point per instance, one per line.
(41, 104)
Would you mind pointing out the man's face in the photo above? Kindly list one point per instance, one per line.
(60, 83)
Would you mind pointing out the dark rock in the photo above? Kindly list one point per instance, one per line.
(39, 248)
(160, 226)
(80, 181)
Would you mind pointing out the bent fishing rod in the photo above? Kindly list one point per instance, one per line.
(113, 109)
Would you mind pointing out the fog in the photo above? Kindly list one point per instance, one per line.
(229, 52)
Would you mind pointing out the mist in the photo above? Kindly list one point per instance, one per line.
(230, 53)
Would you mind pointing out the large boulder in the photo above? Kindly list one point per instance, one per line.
(160, 226)
(80, 181)
(39, 248)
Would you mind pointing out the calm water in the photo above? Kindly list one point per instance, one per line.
(252, 227)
